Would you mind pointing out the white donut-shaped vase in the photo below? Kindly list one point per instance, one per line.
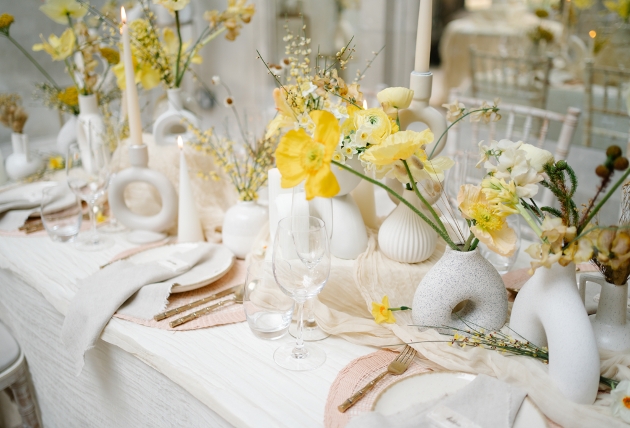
(159, 222)
(461, 277)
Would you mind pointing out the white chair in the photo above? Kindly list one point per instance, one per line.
(13, 374)
(506, 128)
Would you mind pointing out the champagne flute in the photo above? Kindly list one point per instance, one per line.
(301, 265)
(88, 174)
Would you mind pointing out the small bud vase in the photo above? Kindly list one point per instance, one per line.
(241, 225)
(22, 163)
(548, 311)
(464, 282)
(90, 127)
(168, 126)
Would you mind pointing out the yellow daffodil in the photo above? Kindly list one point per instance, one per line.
(394, 99)
(381, 312)
(500, 193)
(5, 22)
(300, 157)
(490, 225)
(399, 146)
(620, 7)
(59, 48)
(60, 10)
(172, 5)
(375, 123)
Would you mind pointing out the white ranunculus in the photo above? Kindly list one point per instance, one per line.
(620, 396)
(537, 157)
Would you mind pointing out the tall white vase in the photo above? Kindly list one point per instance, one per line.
(548, 311)
(404, 236)
(610, 324)
(241, 225)
(465, 280)
(90, 125)
(21, 163)
(169, 125)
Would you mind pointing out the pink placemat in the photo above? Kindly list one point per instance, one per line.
(228, 315)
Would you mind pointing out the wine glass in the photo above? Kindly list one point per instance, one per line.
(321, 208)
(301, 265)
(88, 174)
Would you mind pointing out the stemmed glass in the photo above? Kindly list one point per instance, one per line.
(88, 174)
(301, 265)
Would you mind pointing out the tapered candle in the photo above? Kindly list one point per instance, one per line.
(188, 224)
(131, 92)
(423, 37)
(591, 42)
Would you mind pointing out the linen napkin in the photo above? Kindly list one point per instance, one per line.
(102, 293)
(484, 403)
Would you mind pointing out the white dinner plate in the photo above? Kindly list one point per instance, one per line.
(212, 267)
(32, 192)
(424, 387)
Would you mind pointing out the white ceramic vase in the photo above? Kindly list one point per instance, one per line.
(548, 311)
(21, 163)
(241, 225)
(464, 280)
(168, 126)
(67, 135)
(610, 324)
(404, 236)
(89, 125)
(348, 235)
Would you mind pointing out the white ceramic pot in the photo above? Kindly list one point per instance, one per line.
(548, 311)
(168, 126)
(610, 324)
(241, 225)
(464, 279)
(67, 135)
(404, 236)
(90, 125)
(347, 180)
(21, 163)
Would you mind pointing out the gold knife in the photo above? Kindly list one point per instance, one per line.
(175, 311)
(202, 312)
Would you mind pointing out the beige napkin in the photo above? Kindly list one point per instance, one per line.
(102, 293)
(484, 403)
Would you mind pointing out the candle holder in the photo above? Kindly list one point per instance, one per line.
(145, 229)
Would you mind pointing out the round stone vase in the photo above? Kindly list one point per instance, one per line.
(241, 225)
(461, 286)
(404, 236)
(548, 311)
(170, 124)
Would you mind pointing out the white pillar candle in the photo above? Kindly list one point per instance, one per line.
(423, 37)
(364, 198)
(188, 224)
(131, 92)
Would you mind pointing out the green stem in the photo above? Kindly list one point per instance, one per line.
(71, 73)
(100, 85)
(32, 60)
(424, 201)
(194, 50)
(469, 242)
(452, 124)
(440, 232)
(402, 308)
(179, 50)
(603, 201)
(528, 218)
(474, 244)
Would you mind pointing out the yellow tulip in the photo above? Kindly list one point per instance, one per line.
(398, 146)
(300, 157)
(381, 312)
(59, 48)
(490, 226)
(60, 10)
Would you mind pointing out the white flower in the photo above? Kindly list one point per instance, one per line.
(338, 156)
(513, 165)
(305, 122)
(620, 396)
(308, 90)
(454, 110)
(537, 157)
(348, 151)
(216, 80)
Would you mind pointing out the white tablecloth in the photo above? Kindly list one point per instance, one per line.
(214, 377)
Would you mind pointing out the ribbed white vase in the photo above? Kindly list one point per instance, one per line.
(404, 236)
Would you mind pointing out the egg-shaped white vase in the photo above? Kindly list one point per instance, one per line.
(170, 124)
(548, 311)
(461, 287)
(404, 236)
(22, 163)
(241, 225)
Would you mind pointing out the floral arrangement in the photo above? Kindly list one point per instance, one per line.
(620, 7)
(12, 114)
(163, 56)
(246, 162)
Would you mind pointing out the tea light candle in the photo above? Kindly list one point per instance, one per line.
(188, 224)
(423, 36)
(131, 92)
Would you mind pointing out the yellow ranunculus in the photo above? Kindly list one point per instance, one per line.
(490, 226)
(60, 10)
(399, 146)
(59, 48)
(381, 312)
(394, 99)
(348, 125)
(375, 123)
(300, 157)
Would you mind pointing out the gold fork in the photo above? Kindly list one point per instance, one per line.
(396, 367)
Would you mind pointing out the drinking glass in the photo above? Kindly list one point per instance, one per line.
(87, 171)
(267, 309)
(503, 264)
(301, 265)
(61, 225)
(320, 208)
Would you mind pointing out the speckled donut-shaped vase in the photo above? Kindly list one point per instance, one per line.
(461, 277)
